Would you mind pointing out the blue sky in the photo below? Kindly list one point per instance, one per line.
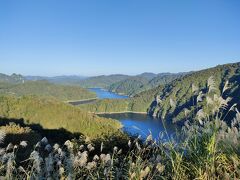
(92, 37)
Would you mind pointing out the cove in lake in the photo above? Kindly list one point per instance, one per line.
(101, 94)
(104, 94)
(133, 123)
(142, 124)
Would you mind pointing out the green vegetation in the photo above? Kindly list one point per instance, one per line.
(63, 80)
(107, 105)
(180, 97)
(46, 89)
(129, 86)
(206, 148)
(123, 84)
(139, 103)
(173, 100)
(102, 81)
(52, 114)
(164, 78)
(136, 84)
(87, 82)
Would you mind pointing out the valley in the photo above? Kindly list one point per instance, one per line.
(169, 113)
(134, 123)
(119, 90)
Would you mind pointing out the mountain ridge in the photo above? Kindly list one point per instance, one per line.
(157, 101)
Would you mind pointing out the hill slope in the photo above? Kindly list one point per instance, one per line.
(63, 80)
(52, 114)
(172, 100)
(46, 89)
(136, 84)
(102, 81)
(129, 86)
(183, 94)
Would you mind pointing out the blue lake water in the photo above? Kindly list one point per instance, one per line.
(142, 124)
(136, 124)
(103, 94)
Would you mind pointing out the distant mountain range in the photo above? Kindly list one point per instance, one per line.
(101, 81)
(174, 97)
(67, 80)
(118, 83)
(134, 85)
(20, 86)
(14, 78)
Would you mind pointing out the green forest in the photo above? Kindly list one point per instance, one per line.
(134, 85)
(119, 90)
(45, 89)
(53, 114)
(42, 136)
(171, 100)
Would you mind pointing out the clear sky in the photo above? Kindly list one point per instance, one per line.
(91, 37)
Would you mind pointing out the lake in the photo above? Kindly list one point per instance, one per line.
(135, 124)
(104, 94)
(142, 124)
(101, 94)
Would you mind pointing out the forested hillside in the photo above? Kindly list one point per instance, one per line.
(63, 80)
(179, 97)
(53, 114)
(121, 84)
(139, 103)
(46, 89)
(129, 86)
(183, 97)
(136, 84)
(102, 81)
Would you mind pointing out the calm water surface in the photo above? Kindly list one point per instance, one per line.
(103, 94)
(136, 124)
(141, 124)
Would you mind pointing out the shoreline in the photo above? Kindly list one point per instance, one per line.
(121, 112)
(82, 100)
(120, 94)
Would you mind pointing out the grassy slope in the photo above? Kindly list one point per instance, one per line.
(52, 114)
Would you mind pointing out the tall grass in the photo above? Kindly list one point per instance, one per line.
(207, 148)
